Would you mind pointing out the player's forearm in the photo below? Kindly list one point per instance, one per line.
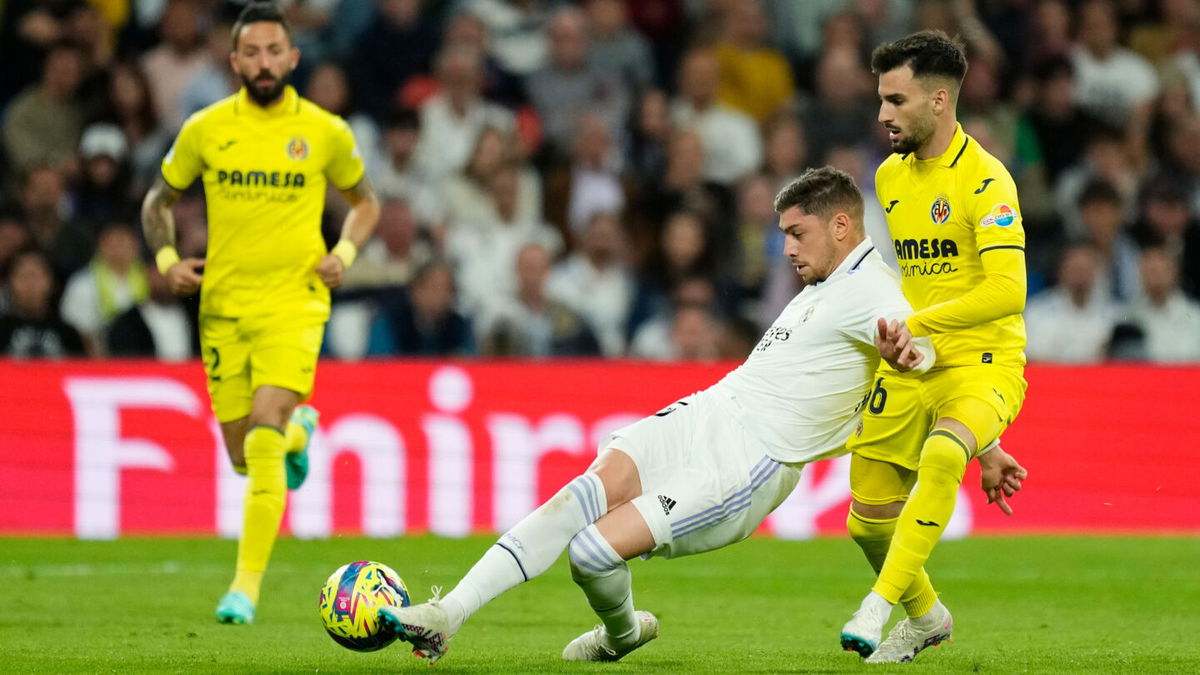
(158, 223)
(360, 221)
(1001, 294)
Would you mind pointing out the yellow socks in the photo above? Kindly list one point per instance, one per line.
(874, 536)
(943, 460)
(296, 437)
(266, 496)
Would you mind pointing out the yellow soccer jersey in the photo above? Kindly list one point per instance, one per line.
(945, 215)
(265, 173)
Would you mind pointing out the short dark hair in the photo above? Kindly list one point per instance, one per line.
(1099, 192)
(260, 12)
(822, 192)
(930, 53)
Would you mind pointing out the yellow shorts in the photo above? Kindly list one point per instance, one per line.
(901, 411)
(240, 355)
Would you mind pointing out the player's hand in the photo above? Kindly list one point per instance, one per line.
(1001, 477)
(895, 345)
(331, 269)
(184, 277)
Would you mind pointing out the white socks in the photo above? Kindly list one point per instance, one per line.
(606, 581)
(877, 604)
(529, 548)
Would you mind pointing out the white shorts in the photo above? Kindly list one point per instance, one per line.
(706, 483)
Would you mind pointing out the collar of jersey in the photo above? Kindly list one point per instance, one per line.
(852, 260)
(288, 105)
(952, 153)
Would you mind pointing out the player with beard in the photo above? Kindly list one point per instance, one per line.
(265, 156)
(956, 228)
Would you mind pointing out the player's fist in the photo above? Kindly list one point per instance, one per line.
(331, 269)
(1001, 477)
(184, 277)
(895, 345)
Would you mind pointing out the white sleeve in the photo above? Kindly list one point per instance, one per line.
(887, 301)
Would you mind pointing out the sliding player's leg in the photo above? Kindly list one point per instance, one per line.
(524, 552)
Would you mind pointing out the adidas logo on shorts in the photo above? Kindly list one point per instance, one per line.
(667, 504)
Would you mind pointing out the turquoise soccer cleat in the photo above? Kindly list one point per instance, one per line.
(235, 608)
(296, 462)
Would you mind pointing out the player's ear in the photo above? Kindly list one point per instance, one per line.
(295, 57)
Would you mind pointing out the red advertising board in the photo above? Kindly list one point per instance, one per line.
(100, 450)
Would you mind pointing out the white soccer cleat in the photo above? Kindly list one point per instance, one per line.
(424, 626)
(863, 631)
(595, 644)
(907, 639)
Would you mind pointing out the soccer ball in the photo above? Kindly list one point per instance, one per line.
(350, 603)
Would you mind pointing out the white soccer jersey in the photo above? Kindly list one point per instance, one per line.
(801, 390)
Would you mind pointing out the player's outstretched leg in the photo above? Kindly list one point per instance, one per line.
(300, 431)
(607, 583)
(911, 635)
(522, 553)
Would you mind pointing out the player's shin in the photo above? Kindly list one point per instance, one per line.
(943, 460)
(529, 548)
(874, 537)
(606, 582)
(266, 495)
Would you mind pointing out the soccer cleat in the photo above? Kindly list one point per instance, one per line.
(907, 639)
(296, 462)
(235, 608)
(862, 632)
(424, 626)
(595, 644)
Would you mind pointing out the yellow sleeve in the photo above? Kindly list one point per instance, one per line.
(1002, 293)
(1000, 240)
(345, 167)
(183, 162)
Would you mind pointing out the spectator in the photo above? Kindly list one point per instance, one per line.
(131, 109)
(467, 195)
(213, 79)
(686, 329)
(530, 323)
(159, 327)
(596, 283)
(1117, 273)
(14, 238)
(757, 226)
(175, 61)
(329, 89)
(468, 31)
(45, 208)
(387, 263)
(102, 191)
(588, 184)
(452, 119)
(754, 78)
(113, 282)
(732, 146)
(786, 150)
(1061, 127)
(1112, 82)
(1107, 160)
(1071, 322)
(43, 123)
(397, 44)
(840, 112)
(651, 130)
(571, 85)
(1049, 37)
(424, 322)
(1168, 223)
(1169, 319)
(396, 173)
(484, 252)
(32, 329)
(617, 48)
(517, 30)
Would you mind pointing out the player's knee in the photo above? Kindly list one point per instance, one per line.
(943, 458)
(867, 530)
(589, 560)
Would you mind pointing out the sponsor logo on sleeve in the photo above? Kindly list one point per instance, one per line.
(1002, 215)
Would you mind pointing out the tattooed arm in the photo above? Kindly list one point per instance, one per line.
(158, 224)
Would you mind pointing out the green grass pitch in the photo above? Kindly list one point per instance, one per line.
(1036, 604)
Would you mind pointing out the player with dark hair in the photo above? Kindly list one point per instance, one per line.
(956, 228)
(705, 471)
(265, 156)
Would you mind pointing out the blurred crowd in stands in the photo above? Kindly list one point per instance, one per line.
(596, 177)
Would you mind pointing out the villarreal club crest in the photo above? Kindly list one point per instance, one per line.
(297, 148)
(939, 213)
